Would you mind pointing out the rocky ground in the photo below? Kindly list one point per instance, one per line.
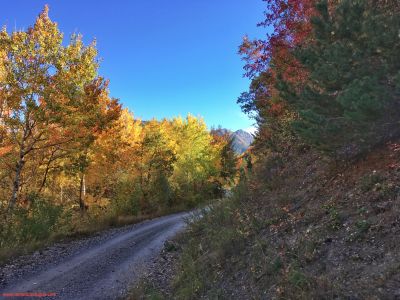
(158, 278)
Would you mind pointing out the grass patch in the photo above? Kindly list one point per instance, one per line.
(145, 290)
(368, 182)
(210, 240)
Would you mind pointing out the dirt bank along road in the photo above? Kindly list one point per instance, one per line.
(99, 267)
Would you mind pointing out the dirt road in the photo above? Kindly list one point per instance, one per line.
(100, 267)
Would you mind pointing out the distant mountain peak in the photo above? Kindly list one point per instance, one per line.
(241, 131)
(241, 140)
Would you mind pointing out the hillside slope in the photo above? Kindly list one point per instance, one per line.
(310, 229)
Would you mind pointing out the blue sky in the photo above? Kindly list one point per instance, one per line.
(163, 58)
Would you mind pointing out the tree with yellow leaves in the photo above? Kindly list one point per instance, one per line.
(197, 159)
(47, 92)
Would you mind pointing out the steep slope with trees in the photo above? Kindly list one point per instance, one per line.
(316, 215)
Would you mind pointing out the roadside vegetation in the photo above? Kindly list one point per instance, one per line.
(73, 160)
(316, 215)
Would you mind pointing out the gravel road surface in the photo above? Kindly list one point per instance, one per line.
(100, 267)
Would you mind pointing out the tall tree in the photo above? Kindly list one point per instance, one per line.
(350, 98)
(327, 74)
(267, 60)
(155, 162)
(48, 91)
(197, 158)
(228, 158)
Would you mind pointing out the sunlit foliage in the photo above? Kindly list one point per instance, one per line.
(68, 148)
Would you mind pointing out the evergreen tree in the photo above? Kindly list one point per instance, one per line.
(350, 98)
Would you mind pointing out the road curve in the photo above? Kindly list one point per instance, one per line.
(102, 269)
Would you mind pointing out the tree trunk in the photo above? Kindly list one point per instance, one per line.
(82, 194)
(17, 180)
(44, 177)
(47, 171)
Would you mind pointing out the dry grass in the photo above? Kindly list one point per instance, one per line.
(322, 231)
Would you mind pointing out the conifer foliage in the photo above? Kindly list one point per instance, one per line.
(350, 96)
(328, 74)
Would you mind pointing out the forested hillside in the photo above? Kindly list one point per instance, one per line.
(72, 159)
(316, 214)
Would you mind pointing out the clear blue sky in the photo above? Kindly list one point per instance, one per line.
(163, 58)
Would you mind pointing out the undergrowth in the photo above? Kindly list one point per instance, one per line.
(321, 231)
